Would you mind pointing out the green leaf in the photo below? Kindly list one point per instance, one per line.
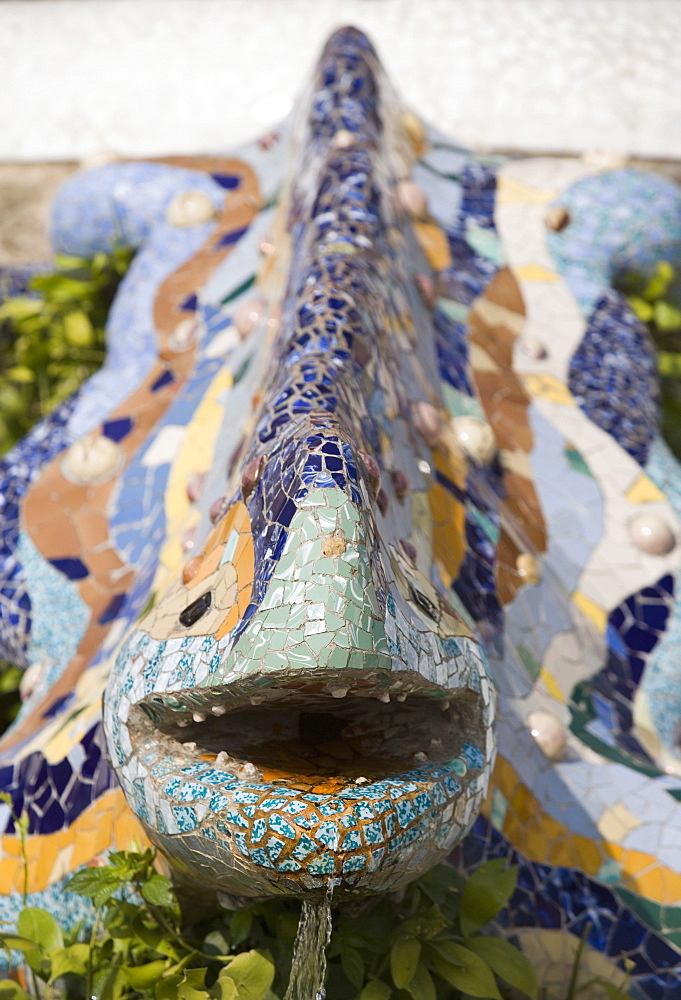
(108, 984)
(404, 957)
(20, 307)
(97, 883)
(487, 890)
(506, 961)
(422, 986)
(78, 329)
(667, 317)
(240, 926)
(17, 943)
(159, 891)
(352, 964)
(642, 310)
(216, 944)
(20, 373)
(153, 936)
(187, 985)
(470, 974)
(142, 977)
(669, 363)
(73, 959)
(449, 950)
(9, 990)
(659, 283)
(253, 973)
(376, 990)
(40, 926)
(225, 988)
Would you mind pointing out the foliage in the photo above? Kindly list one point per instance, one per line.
(50, 342)
(427, 945)
(651, 298)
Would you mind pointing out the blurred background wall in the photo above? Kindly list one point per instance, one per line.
(154, 76)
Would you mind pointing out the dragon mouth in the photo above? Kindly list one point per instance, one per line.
(308, 732)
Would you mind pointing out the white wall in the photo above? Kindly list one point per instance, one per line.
(153, 76)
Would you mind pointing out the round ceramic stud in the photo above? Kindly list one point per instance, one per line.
(247, 316)
(528, 568)
(427, 422)
(92, 460)
(533, 348)
(343, 139)
(30, 679)
(194, 486)
(651, 533)
(549, 732)
(184, 334)
(190, 208)
(412, 199)
(426, 287)
(557, 218)
(409, 550)
(191, 568)
(217, 509)
(476, 438)
(373, 471)
(250, 477)
(401, 484)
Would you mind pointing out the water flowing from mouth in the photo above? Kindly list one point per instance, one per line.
(308, 969)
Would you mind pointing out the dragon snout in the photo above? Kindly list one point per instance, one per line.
(275, 789)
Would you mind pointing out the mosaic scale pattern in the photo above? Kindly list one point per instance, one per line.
(418, 459)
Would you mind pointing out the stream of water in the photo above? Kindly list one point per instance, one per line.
(308, 968)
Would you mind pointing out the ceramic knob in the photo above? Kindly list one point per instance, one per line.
(426, 287)
(190, 208)
(427, 422)
(93, 459)
(549, 732)
(557, 218)
(343, 138)
(533, 348)
(247, 316)
(651, 533)
(412, 199)
(528, 568)
(194, 486)
(476, 438)
(184, 334)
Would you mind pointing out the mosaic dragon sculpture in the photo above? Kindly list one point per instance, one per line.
(298, 533)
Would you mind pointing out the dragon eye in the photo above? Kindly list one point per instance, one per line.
(196, 609)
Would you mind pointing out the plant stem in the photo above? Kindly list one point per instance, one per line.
(572, 985)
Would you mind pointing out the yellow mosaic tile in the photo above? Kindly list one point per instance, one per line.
(513, 192)
(535, 272)
(592, 610)
(644, 490)
(434, 244)
(108, 823)
(617, 822)
(549, 388)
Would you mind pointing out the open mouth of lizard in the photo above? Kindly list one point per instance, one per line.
(313, 733)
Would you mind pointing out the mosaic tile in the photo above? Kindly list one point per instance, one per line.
(365, 575)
